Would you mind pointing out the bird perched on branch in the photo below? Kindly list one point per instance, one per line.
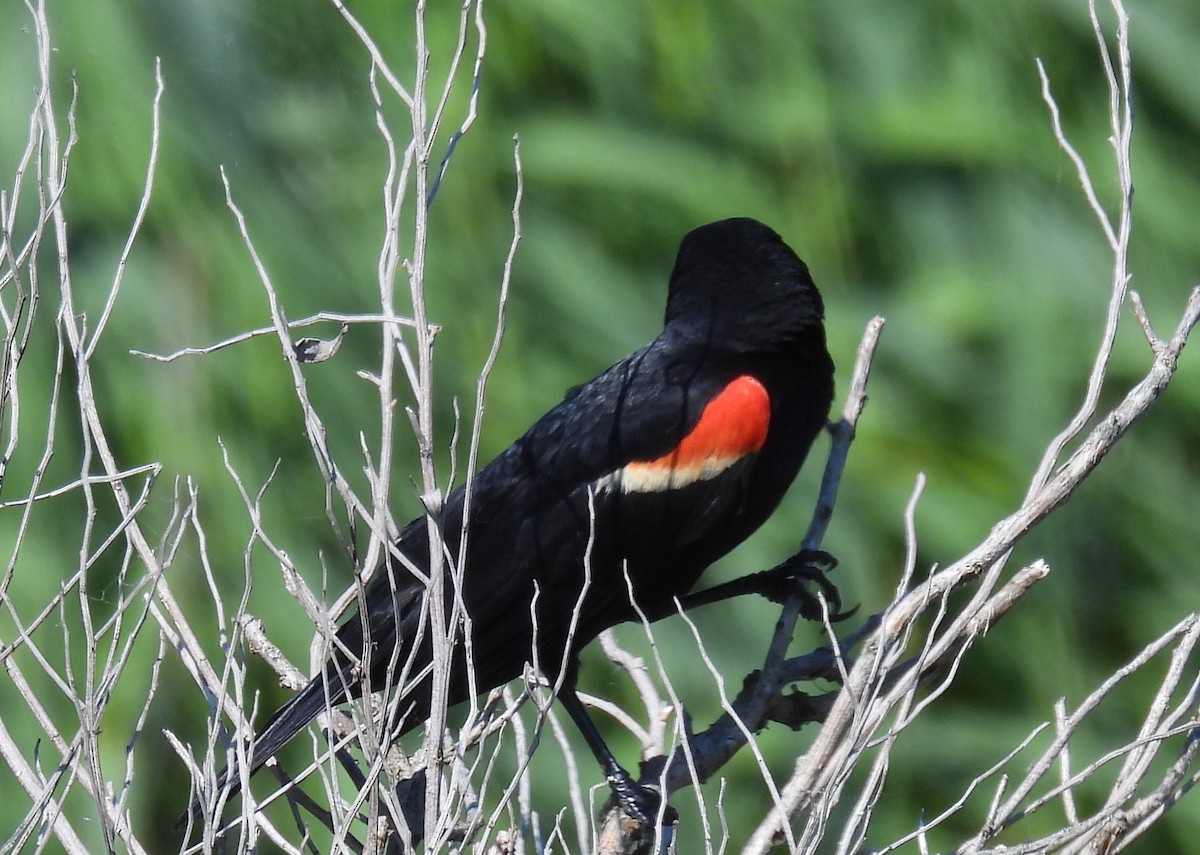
(636, 482)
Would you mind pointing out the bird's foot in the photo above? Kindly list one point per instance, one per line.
(793, 578)
(644, 805)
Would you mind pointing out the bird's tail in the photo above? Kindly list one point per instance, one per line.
(285, 723)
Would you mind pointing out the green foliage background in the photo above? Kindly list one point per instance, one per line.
(902, 149)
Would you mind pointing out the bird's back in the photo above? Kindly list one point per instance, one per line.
(560, 529)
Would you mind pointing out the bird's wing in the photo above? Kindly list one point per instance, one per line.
(637, 464)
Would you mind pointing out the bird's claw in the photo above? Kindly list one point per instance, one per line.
(792, 578)
(642, 804)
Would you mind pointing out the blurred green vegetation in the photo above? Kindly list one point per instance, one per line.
(902, 149)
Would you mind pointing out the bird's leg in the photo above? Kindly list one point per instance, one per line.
(640, 803)
(780, 582)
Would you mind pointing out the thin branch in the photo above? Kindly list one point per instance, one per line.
(320, 317)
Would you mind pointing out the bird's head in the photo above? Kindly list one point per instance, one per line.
(736, 284)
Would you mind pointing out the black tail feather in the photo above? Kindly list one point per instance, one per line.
(285, 723)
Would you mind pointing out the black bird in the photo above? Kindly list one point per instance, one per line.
(650, 471)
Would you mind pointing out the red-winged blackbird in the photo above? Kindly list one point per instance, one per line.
(641, 477)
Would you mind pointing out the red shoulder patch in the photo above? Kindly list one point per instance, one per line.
(733, 424)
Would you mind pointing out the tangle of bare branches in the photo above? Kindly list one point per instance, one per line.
(470, 787)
